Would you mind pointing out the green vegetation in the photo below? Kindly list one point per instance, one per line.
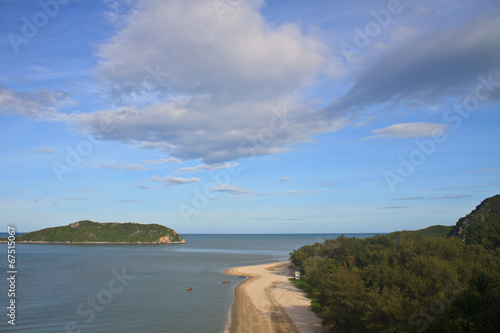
(433, 231)
(301, 284)
(413, 281)
(88, 231)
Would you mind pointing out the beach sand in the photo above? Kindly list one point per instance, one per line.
(267, 302)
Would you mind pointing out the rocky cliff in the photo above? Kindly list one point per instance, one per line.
(482, 225)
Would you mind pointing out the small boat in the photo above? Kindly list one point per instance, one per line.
(190, 288)
(227, 281)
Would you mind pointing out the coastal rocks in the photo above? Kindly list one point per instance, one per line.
(167, 240)
(481, 226)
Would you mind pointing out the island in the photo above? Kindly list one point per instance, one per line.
(89, 232)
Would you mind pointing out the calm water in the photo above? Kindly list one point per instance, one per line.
(135, 288)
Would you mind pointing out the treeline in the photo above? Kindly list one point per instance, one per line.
(403, 282)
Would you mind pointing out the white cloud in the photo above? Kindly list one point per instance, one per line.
(126, 167)
(41, 103)
(43, 150)
(411, 198)
(285, 179)
(410, 130)
(163, 161)
(207, 167)
(198, 87)
(197, 53)
(134, 167)
(449, 197)
(209, 131)
(169, 181)
(230, 189)
(211, 86)
(145, 187)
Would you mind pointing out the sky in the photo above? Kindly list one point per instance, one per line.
(248, 116)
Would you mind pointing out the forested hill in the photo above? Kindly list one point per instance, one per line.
(432, 231)
(96, 232)
(482, 225)
(409, 281)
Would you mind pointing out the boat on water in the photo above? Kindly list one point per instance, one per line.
(226, 281)
(190, 288)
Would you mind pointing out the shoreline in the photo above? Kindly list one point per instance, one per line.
(266, 301)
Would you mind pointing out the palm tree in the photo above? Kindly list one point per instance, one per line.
(479, 304)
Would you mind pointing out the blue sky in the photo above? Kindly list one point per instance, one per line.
(242, 116)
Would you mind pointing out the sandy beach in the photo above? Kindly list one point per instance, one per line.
(267, 302)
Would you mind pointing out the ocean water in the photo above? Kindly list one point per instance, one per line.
(135, 288)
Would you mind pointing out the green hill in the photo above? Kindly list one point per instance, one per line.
(95, 232)
(482, 225)
(432, 231)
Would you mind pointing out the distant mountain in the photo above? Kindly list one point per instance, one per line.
(432, 231)
(481, 226)
(96, 232)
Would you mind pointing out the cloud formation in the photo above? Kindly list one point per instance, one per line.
(186, 82)
(162, 161)
(145, 187)
(427, 68)
(230, 189)
(197, 53)
(134, 167)
(41, 103)
(43, 150)
(410, 130)
(207, 167)
(216, 90)
(169, 181)
(449, 197)
(126, 167)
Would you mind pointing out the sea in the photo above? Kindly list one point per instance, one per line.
(134, 288)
